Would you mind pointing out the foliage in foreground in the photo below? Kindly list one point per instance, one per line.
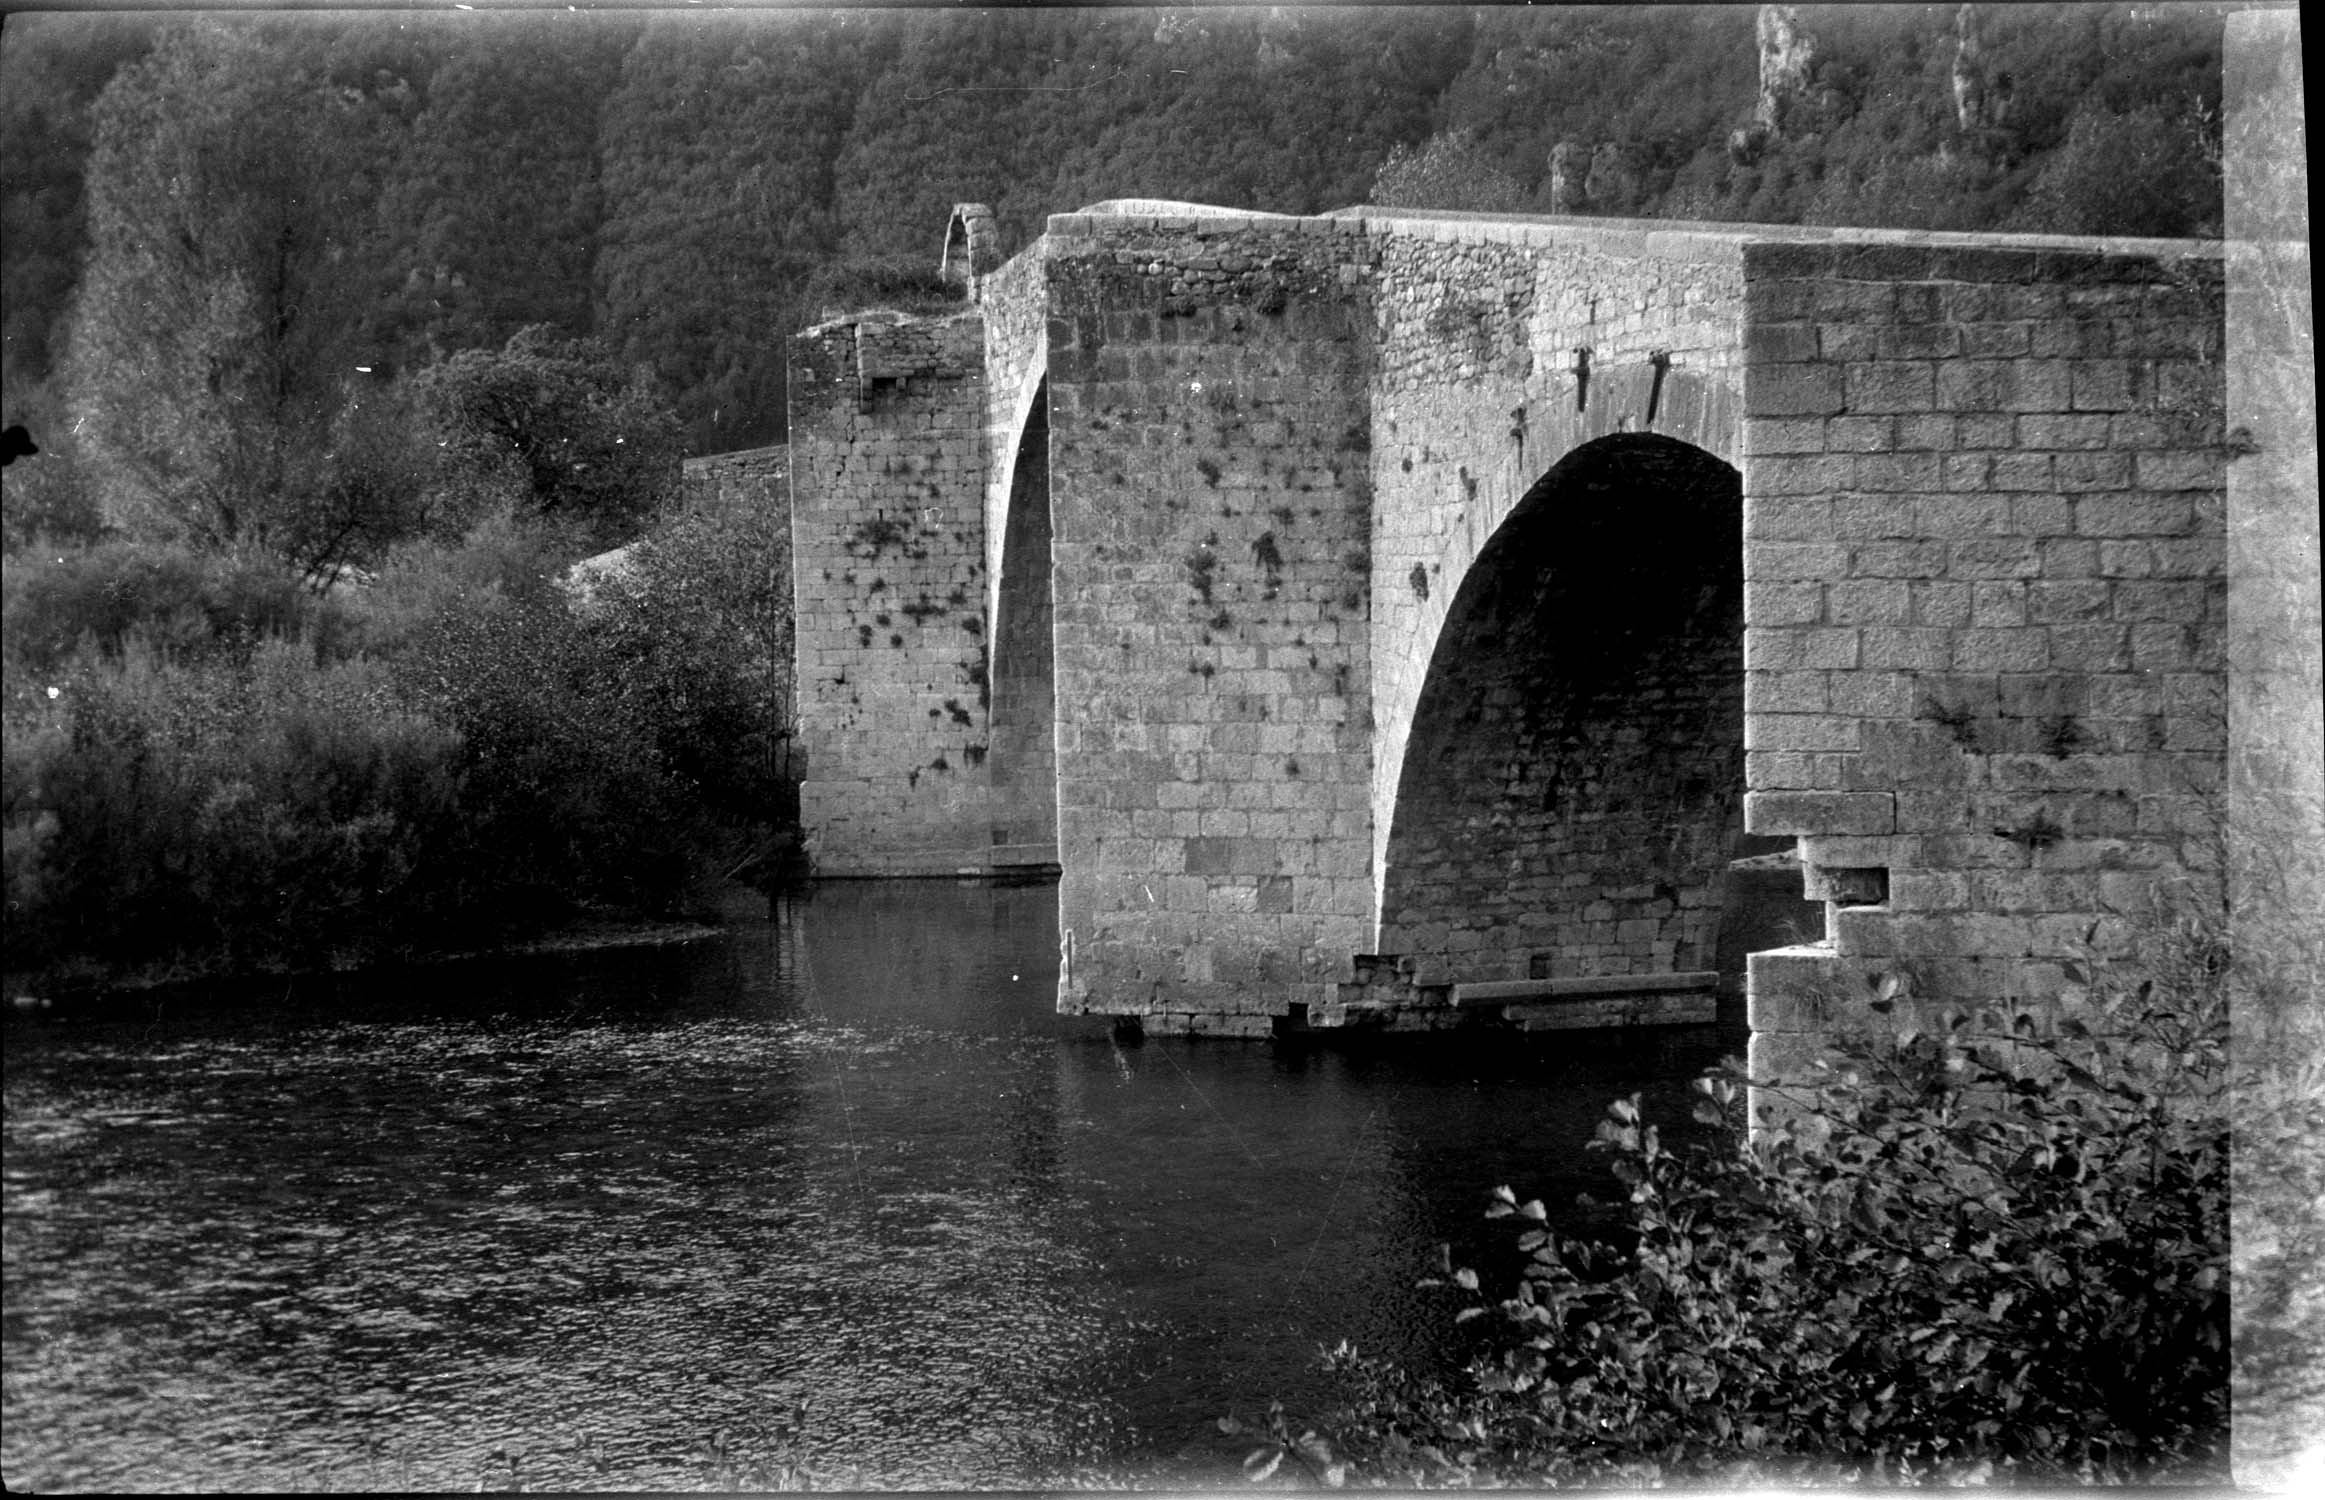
(1993, 1246)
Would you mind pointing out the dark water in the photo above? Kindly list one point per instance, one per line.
(833, 1199)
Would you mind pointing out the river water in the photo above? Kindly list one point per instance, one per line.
(832, 1199)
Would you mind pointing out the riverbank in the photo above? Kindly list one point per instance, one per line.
(589, 932)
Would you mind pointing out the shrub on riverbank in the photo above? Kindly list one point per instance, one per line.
(177, 603)
(210, 768)
(567, 792)
(701, 618)
(239, 811)
(1994, 1247)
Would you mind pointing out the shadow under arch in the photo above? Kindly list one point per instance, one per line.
(1572, 785)
(1021, 754)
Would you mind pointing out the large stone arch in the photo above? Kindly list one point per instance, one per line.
(1572, 779)
(1020, 665)
(1452, 480)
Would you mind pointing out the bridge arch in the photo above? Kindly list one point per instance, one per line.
(1572, 780)
(1021, 758)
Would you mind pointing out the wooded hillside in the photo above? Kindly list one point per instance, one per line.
(691, 186)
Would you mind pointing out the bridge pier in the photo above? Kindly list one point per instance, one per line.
(887, 424)
(1984, 610)
(1210, 493)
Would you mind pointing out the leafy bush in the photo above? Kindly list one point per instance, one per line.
(232, 812)
(208, 767)
(1991, 1246)
(175, 602)
(701, 620)
(377, 486)
(503, 556)
(567, 795)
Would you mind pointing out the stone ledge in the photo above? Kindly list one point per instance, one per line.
(1820, 812)
(1690, 998)
(1503, 991)
(1675, 1009)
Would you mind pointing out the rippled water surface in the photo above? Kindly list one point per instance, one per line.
(830, 1199)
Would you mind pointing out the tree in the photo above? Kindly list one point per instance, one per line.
(53, 66)
(552, 427)
(212, 328)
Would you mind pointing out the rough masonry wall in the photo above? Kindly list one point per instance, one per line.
(1985, 605)
(1573, 783)
(1210, 495)
(888, 556)
(750, 481)
(1479, 390)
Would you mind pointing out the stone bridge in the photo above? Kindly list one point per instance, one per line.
(1378, 614)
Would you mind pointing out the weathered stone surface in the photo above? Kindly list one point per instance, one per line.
(1344, 517)
(1212, 502)
(888, 581)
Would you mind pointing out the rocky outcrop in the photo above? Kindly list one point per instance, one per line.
(1612, 187)
(1567, 166)
(1980, 100)
(1785, 54)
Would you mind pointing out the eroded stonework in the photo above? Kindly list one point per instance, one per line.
(1438, 604)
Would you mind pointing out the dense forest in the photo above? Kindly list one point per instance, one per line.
(687, 187)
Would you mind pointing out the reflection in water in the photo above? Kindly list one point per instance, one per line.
(837, 1190)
